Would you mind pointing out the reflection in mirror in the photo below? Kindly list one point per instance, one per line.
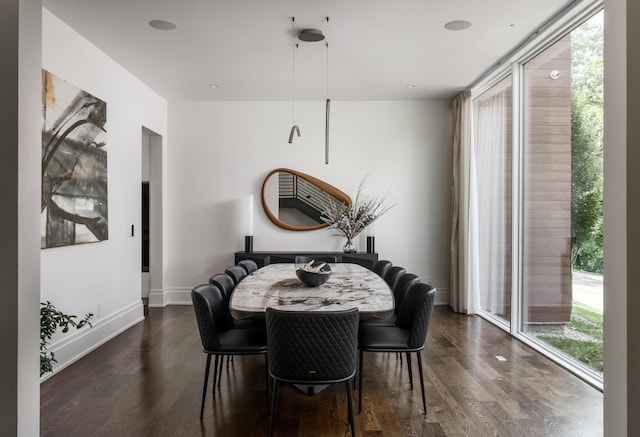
(293, 200)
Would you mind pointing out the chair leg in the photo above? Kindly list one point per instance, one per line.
(410, 370)
(266, 374)
(204, 387)
(360, 383)
(215, 372)
(350, 408)
(424, 399)
(274, 406)
(220, 369)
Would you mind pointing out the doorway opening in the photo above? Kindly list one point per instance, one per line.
(152, 246)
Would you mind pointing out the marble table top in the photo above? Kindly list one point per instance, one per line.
(277, 286)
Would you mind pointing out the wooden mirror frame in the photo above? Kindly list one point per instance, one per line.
(329, 189)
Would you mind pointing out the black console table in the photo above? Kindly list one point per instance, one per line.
(263, 258)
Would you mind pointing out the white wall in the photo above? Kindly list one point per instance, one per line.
(223, 151)
(103, 277)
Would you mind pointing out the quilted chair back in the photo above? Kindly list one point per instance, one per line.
(209, 307)
(312, 346)
(415, 313)
(393, 275)
(401, 288)
(237, 273)
(226, 285)
(381, 267)
(224, 282)
(249, 265)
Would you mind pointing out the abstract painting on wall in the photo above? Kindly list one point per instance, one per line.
(74, 165)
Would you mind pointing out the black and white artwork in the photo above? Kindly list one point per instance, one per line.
(74, 165)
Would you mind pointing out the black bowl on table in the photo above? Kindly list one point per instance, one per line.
(314, 279)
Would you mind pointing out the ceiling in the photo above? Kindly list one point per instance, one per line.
(376, 48)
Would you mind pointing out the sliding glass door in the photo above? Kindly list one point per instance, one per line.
(492, 137)
(546, 236)
(540, 199)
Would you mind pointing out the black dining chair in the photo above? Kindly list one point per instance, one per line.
(381, 267)
(226, 285)
(237, 273)
(312, 347)
(393, 275)
(248, 265)
(408, 335)
(399, 291)
(219, 339)
(303, 259)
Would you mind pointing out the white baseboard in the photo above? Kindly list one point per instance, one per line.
(75, 345)
(157, 298)
(170, 296)
(442, 296)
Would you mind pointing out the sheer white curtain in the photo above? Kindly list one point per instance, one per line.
(465, 292)
(490, 128)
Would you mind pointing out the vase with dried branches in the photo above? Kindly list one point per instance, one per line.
(349, 221)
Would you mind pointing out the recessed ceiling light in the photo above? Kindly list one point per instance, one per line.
(213, 85)
(162, 24)
(411, 86)
(458, 25)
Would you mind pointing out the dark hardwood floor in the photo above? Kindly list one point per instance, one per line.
(148, 382)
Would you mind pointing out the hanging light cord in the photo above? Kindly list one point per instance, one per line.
(327, 45)
(293, 93)
(294, 129)
(327, 109)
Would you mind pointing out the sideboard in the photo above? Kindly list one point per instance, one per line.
(365, 259)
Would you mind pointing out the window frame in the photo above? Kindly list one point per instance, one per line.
(563, 23)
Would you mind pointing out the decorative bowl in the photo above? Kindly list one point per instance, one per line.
(314, 279)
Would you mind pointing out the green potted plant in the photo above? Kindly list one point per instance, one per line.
(50, 320)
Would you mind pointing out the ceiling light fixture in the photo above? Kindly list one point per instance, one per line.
(294, 128)
(162, 24)
(311, 35)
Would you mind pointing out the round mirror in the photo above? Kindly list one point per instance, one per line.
(293, 200)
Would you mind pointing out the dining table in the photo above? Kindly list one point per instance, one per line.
(277, 286)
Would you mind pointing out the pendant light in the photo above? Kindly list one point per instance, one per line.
(327, 110)
(294, 129)
(311, 35)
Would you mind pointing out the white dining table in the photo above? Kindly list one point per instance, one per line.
(277, 286)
